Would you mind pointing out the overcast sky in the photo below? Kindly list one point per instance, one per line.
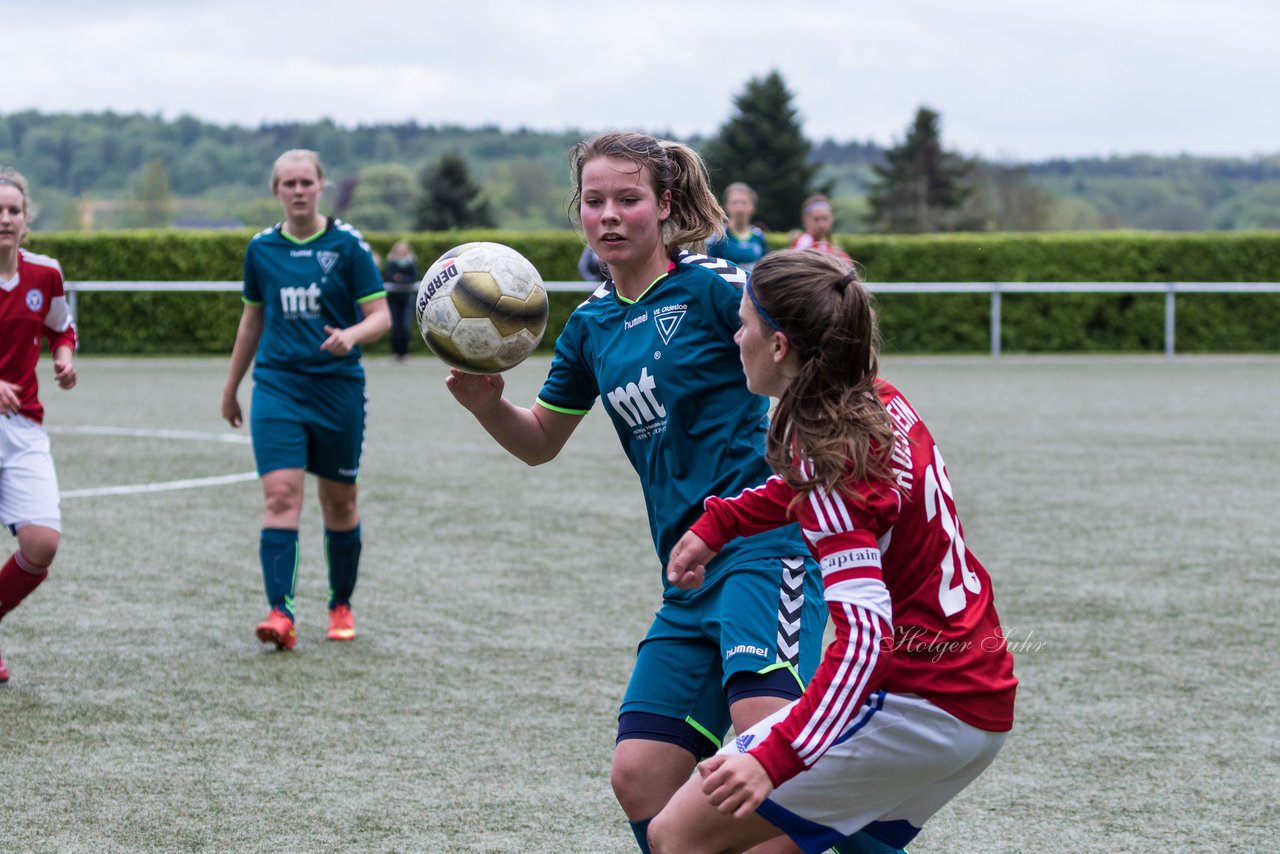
(1016, 80)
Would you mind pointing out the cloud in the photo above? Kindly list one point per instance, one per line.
(1010, 79)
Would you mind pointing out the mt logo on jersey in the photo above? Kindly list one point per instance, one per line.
(636, 403)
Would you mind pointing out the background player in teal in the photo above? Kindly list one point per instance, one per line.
(742, 243)
(312, 295)
(656, 343)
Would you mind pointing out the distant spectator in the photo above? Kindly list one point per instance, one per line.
(591, 268)
(743, 243)
(400, 275)
(818, 219)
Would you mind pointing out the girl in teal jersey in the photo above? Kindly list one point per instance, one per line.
(743, 243)
(655, 343)
(313, 294)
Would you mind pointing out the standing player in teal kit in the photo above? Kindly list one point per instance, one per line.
(312, 295)
(655, 343)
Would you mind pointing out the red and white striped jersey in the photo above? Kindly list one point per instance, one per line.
(805, 240)
(911, 606)
(32, 304)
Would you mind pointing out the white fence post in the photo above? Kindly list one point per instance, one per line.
(995, 320)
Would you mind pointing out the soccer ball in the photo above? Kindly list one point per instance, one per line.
(482, 308)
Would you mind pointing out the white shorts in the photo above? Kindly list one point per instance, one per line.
(28, 483)
(899, 762)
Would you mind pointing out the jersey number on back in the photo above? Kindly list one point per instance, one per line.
(939, 502)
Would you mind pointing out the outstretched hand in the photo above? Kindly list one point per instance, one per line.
(735, 785)
(476, 392)
(687, 565)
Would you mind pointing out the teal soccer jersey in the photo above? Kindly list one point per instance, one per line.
(671, 380)
(743, 251)
(304, 286)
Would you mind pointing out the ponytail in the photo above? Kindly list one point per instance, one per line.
(830, 418)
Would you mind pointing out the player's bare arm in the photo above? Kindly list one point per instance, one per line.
(534, 435)
(247, 336)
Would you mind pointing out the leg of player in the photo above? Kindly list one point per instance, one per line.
(278, 551)
(689, 824)
(342, 545)
(24, 571)
(645, 774)
(746, 713)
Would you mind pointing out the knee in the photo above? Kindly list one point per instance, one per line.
(629, 786)
(339, 508)
(281, 499)
(38, 544)
(666, 837)
(659, 837)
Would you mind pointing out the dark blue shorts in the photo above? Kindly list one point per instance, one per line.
(308, 422)
(760, 617)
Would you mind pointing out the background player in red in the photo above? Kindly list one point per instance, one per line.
(32, 306)
(914, 697)
(818, 218)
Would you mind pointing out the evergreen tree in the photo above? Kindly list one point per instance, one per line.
(762, 144)
(921, 187)
(450, 198)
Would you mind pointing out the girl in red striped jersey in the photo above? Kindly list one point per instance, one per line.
(914, 697)
(33, 307)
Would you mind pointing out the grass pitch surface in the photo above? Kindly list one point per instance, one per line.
(1124, 507)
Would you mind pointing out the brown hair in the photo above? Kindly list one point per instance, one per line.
(740, 187)
(830, 415)
(695, 213)
(13, 178)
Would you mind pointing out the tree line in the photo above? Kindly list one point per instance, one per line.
(105, 170)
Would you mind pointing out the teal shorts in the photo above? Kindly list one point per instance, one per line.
(757, 617)
(307, 422)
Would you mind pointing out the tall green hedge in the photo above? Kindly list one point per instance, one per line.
(123, 323)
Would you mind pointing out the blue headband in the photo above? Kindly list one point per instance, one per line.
(768, 318)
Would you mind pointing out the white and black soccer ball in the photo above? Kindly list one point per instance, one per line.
(482, 308)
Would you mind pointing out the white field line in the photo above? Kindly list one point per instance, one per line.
(142, 433)
(136, 489)
(164, 486)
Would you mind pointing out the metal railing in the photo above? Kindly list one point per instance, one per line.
(996, 289)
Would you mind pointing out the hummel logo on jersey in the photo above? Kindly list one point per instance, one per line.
(743, 742)
(327, 260)
(301, 300)
(745, 649)
(636, 403)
